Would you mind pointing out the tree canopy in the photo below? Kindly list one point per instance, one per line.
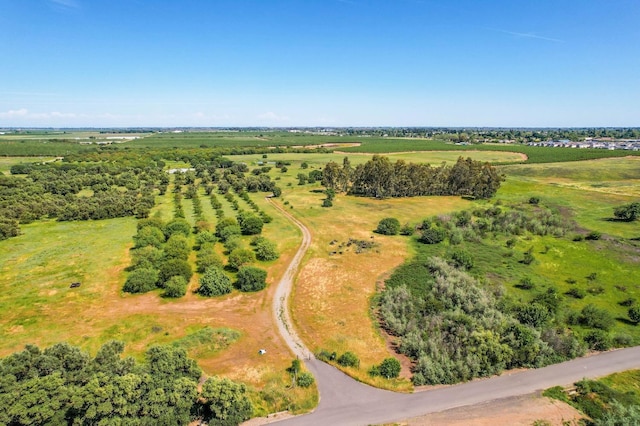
(64, 385)
(380, 178)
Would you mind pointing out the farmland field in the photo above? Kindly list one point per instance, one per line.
(333, 305)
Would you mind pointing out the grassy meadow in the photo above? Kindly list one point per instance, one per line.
(331, 304)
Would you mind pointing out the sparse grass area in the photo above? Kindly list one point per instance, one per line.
(7, 162)
(329, 287)
(318, 160)
(332, 296)
(37, 305)
(589, 190)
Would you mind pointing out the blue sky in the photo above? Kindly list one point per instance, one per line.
(71, 63)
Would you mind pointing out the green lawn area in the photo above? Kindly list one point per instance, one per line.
(7, 162)
(36, 303)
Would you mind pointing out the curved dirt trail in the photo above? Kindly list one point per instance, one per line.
(281, 296)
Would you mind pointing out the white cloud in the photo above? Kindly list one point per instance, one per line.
(273, 117)
(13, 113)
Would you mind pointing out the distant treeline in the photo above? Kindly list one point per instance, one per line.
(382, 179)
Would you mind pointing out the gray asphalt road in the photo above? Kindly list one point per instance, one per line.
(344, 401)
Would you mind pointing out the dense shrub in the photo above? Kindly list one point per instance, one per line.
(214, 282)
(461, 259)
(177, 226)
(226, 403)
(628, 212)
(250, 224)
(207, 257)
(528, 257)
(453, 329)
(205, 237)
(407, 230)
(594, 317)
(146, 257)
(634, 314)
(598, 340)
(240, 257)
(389, 368)
(149, 236)
(141, 280)
(177, 247)
(223, 223)
(230, 231)
(593, 235)
(526, 283)
(533, 314)
(251, 279)
(266, 250)
(305, 380)
(349, 359)
(172, 267)
(232, 243)
(388, 226)
(433, 236)
(175, 287)
(576, 293)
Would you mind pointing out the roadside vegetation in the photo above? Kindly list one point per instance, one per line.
(612, 400)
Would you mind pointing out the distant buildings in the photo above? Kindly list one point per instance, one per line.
(593, 143)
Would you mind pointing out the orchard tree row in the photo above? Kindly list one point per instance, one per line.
(160, 257)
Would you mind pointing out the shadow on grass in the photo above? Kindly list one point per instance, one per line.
(626, 321)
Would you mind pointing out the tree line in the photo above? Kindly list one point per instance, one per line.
(63, 385)
(380, 178)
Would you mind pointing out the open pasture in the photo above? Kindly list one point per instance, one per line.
(223, 334)
(7, 162)
(319, 160)
(332, 297)
(589, 190)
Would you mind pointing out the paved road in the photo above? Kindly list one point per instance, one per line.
(344, 401)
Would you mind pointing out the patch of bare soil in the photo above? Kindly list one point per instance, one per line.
(515, 411)
(271, 418)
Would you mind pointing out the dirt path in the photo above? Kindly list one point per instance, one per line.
(283, 291)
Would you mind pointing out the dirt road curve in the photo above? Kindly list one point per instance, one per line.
(344, 401)
(281, 297)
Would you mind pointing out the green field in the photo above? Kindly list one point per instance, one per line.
(319, 160)
(332, 300)
(7, 162)
(59, 143)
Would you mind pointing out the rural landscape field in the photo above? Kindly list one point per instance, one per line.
(545, 253)
(336, 212)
